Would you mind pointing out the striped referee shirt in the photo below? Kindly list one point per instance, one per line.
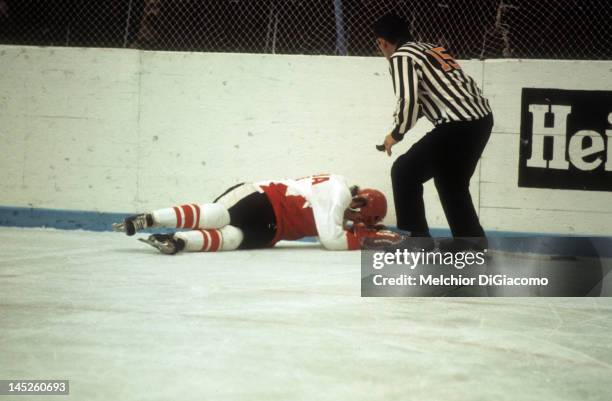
(428, 81)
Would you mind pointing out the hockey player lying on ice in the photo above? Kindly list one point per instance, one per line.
(258, 215)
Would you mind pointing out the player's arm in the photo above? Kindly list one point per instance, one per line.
(405, 84)
(329, 202)
(328, 205)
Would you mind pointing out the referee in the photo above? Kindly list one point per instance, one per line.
(428, 82)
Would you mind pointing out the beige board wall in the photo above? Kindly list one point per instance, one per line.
(127, 130)
(68, 133)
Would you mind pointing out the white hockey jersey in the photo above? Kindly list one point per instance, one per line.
(311, 206)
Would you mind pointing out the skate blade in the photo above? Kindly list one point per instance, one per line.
(163, 247)
(119, 227)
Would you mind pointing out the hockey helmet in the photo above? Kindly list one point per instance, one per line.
(369, 206)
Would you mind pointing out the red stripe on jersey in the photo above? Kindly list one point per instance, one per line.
(196, 222)
(179, 220)
(188, 216)
(215, 240)
(204, 240)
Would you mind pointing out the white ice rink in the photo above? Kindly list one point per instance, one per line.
(123, 322)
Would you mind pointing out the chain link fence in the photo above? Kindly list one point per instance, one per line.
(555, 29)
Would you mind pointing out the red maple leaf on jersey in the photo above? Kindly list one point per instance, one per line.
(294, 217)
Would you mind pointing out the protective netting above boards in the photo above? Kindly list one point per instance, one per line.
(555, 29)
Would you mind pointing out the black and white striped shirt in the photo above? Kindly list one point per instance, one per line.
(428, 81)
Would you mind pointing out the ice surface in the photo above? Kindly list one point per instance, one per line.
(123, 322)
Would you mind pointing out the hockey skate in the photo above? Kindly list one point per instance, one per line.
(165, 243)
(135, 223)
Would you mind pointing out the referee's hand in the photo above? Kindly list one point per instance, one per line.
(389, 142)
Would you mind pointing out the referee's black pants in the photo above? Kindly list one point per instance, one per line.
(448, 154)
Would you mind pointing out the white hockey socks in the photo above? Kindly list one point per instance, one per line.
(227, 238)
(209, 215)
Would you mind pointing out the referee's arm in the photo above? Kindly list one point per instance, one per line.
(405, 83)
